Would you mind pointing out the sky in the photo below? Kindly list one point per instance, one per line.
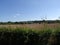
(27, 10)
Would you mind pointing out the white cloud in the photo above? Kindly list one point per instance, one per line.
(16, 15)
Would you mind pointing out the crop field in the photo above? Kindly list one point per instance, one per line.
(30, 34)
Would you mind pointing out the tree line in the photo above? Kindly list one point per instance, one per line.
(32, 22)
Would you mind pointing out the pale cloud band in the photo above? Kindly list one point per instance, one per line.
(16, 15)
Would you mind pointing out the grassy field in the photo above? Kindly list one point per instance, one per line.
(32, 26)
(30, 34)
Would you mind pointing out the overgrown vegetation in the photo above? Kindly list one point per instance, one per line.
(25, 36)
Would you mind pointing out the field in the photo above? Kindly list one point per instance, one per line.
(32, 26)
(30, 34)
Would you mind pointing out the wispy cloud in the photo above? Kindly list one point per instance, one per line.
(16, 15)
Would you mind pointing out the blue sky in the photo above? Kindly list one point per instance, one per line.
(23, 10)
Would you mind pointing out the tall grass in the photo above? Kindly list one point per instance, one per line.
(26, 36)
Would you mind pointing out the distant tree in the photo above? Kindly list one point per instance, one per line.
(9, 22)
(16, 22)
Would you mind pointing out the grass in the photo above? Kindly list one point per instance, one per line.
(32, 26)
(30, 36)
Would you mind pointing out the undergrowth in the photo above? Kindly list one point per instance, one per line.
(25, 36)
